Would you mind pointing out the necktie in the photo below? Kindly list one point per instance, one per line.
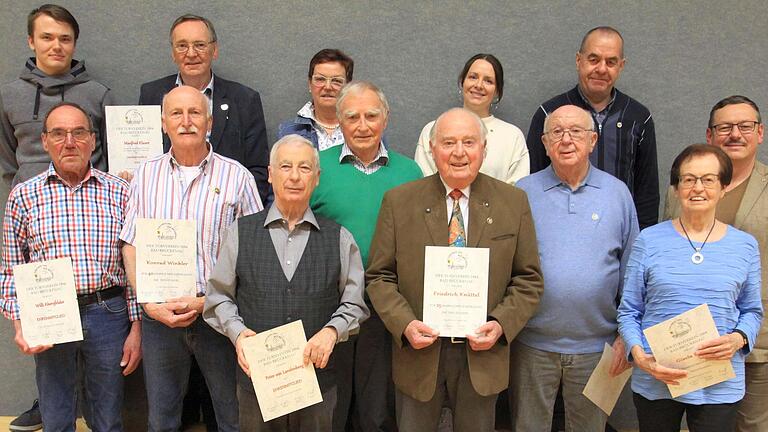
(456, 235)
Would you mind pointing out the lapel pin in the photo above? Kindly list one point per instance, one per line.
(486, 204)
(618, 124)
(489, 220)
(224, 107)
(595, 216)
(216, 190)
(428, 210)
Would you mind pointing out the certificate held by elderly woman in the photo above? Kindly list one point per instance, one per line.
(48, 302)
(674, 342)
(166, 265)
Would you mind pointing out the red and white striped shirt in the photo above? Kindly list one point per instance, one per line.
(222, 191)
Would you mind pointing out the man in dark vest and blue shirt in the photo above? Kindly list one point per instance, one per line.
(263, 279)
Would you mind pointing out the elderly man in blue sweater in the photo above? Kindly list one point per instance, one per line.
(585, 224)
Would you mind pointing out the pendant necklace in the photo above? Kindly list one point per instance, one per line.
(697, 257)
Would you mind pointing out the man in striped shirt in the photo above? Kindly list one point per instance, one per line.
(74, 210)
(188, 182)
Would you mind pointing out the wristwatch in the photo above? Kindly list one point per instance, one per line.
(745, 341)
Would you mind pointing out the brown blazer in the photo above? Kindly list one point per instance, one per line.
(413, 216)
(751, 217)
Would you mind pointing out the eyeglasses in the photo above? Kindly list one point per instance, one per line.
(59, 135)
(322, 81)
(709, 181)
(576, 133)
(745, 127)
(199, 46)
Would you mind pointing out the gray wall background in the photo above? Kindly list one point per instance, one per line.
(683, 56)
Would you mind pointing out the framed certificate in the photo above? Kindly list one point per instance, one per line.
(281, 381)
(48, 302)
(134, 134)
(166, 259)
(455, 289)
(673, 343)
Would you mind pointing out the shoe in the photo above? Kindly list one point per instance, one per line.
(30, 420)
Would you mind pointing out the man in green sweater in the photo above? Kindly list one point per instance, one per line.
(354, 178)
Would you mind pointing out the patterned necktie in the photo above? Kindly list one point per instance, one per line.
(456, 235)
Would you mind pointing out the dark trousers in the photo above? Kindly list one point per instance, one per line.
(314, 418)
(374, 390)
(665, 415)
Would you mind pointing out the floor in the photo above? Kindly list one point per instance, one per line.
(5, 421)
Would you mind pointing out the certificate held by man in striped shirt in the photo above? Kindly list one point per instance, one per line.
(165, 259)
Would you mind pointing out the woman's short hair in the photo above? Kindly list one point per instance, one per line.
(697, 150)
(329, 55)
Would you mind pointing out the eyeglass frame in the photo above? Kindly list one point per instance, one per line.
(570, 133)
(68, 132)
(327, 80)
(194, 45)
(738, 125)
(696, 179)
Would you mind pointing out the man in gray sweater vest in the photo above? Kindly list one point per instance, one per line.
(263, 279)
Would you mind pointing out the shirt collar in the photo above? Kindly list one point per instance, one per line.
(208, 90)
(274, 215)
(307, 111)
(205, 162)
(449, 189)
(551, 179)
(382, 156)
(91, 174)
(586, 101)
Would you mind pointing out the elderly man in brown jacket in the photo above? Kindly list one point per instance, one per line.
(469, 371)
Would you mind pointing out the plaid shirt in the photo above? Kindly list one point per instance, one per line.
(223, 191)
(45, 219)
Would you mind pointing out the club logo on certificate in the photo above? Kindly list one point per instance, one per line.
(166, 264)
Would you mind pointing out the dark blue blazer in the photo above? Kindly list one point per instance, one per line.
(239, 130)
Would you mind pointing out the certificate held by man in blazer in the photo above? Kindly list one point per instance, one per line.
(432, 211)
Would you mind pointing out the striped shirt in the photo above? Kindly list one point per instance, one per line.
(45, 219)
(222, 191)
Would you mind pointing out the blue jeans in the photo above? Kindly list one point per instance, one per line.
(105, 327)
(535, 376)
(167, 358)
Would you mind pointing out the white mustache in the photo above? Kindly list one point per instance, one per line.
(191, 129)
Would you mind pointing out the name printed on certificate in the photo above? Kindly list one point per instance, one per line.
(48, 302)
(166, 259)
(281, 381)
(455, 289)
(673, 343)
(134, 134)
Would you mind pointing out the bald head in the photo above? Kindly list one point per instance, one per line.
(572, 111)
(458, 146)
(569, 138)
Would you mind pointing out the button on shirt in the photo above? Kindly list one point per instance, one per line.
(222, 192)
(221, 311)
(45, 219)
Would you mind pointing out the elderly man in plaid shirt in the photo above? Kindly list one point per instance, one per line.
(74, 210)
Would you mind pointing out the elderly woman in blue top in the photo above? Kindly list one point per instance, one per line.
(678, 265)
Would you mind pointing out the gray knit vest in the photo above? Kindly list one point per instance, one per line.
(266, 299)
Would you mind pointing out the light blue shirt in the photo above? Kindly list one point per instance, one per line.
(661, 282)
(584, 237)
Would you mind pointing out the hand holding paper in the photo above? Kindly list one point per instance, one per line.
(485, 336)
(420, 335)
